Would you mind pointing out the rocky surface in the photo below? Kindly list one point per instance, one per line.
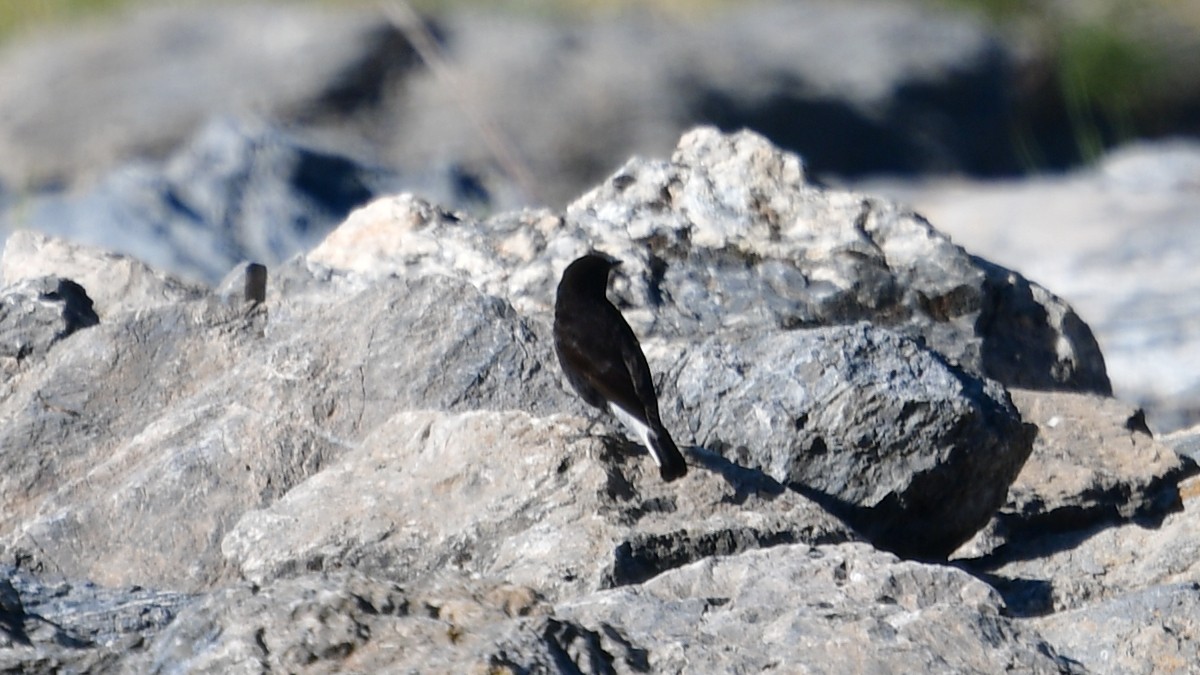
(1093, 463)
(145, 145)
(379, 467)
(803, 608)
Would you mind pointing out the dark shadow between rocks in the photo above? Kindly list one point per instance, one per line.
(882, 526)
(12, 617)
(645, 556)
(1046, 545)
(1023, 598)
(1026, 597)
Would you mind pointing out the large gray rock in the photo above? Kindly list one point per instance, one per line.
(915, 453)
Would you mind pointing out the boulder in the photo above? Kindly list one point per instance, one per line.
(916, 453)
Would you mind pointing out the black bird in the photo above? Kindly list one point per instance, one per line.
(603, 361)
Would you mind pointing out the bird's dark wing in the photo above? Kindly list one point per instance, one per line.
(593, 347)
(639, 376)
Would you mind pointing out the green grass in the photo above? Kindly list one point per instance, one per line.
(1104, 75)
(19, 14)
(1103, 63)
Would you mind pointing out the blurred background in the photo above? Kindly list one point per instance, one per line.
(1057, 138)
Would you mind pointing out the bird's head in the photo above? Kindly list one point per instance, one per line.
(589, 274)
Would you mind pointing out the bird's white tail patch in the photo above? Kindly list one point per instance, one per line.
(638, 427)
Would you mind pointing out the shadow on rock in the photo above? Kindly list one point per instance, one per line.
(745, 481)
(884, 525)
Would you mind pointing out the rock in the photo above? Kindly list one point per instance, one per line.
(37, 313)
(379, 467)
(76, 627)
(843, 608)
(786, 254)
(149, 78)
(915, 453)
(115, 283)
(1146, 632)
(1093, 462)
(728, 236)
(502, 495)
(159, 443)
